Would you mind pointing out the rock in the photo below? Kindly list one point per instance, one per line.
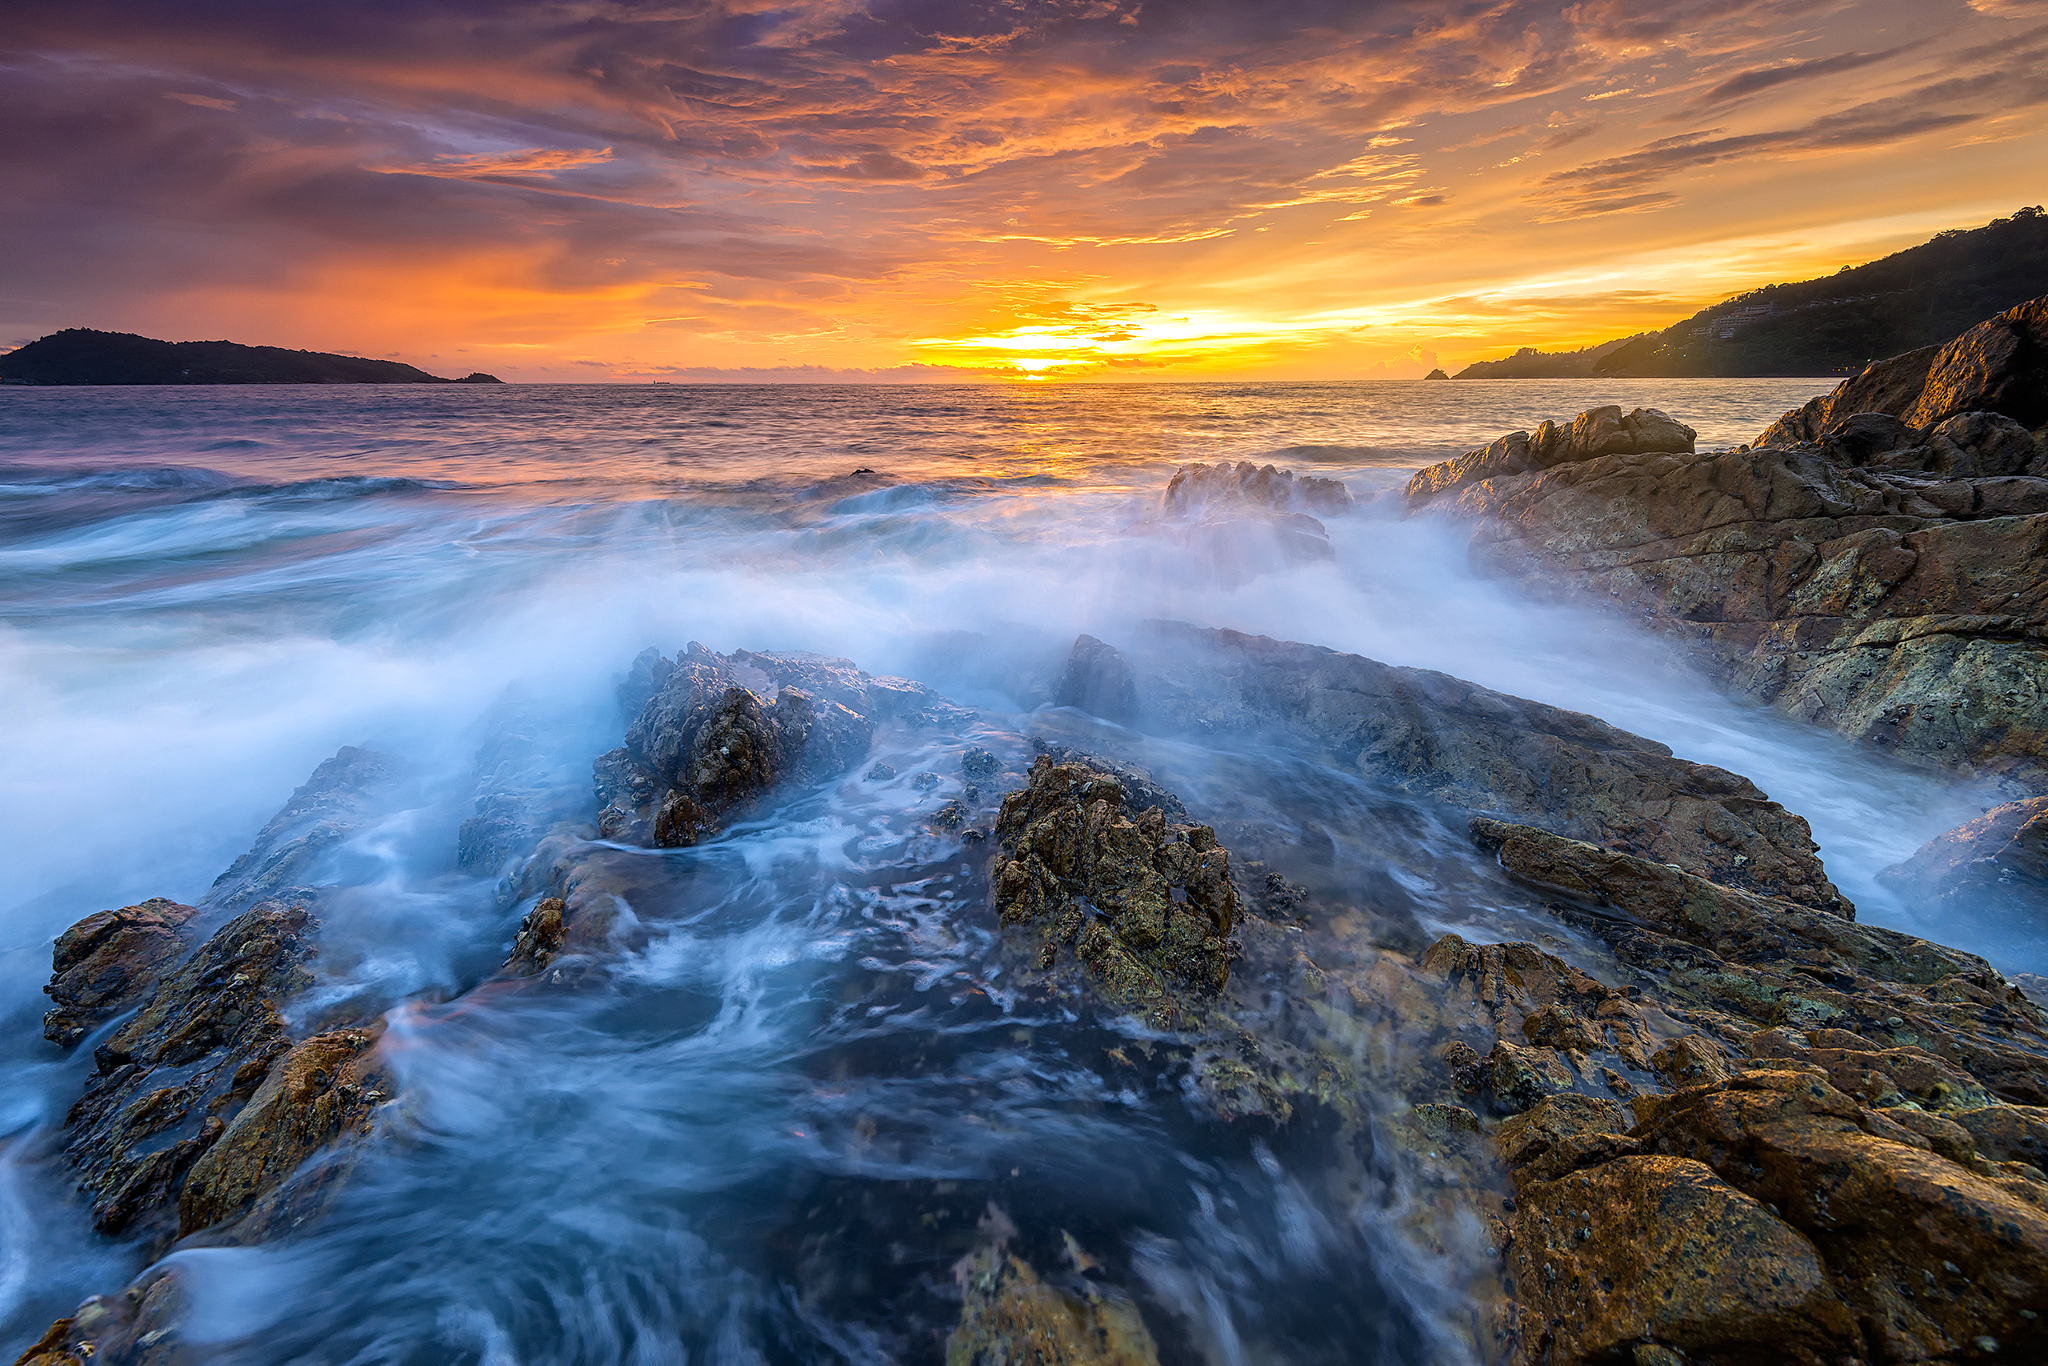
(1436, 374)
(1995, 866)
(1909, 1018)
(343, 796)
(879, 773)
(1926, 1253)
(2007, 1133)
(1661, 1250)
(1596, 432)
(1197, 491)
(978, 765)
(1887, 386)
(1146, 907)
(1011, 1317)
(1998, 366)
(325, 1087)
(706, 747)
(109, 962)
(1098, 680)
(1471, 747)
(1896, 594)
(1243, 520)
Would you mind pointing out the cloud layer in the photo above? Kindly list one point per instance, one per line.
(1107, 187)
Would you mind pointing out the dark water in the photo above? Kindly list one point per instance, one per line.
(770, 1133)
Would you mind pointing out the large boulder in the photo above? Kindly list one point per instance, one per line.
(1998, 366)
(1995, 866)
(1895, 592)
(1472, 747)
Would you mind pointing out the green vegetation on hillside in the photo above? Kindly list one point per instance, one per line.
(1838, 324)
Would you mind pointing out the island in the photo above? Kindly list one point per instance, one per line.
(80, 355)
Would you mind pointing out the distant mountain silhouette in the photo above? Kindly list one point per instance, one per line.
(1922, 296)
(79, 355)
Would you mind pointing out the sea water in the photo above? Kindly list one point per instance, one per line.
(715, 1156)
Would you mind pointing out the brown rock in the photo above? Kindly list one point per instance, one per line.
(1148, 907)
(1887, 386)
(1998, 366)
(1661, 1250)
(1897, 595)
(109, 962)
(706, 746)
(2008, 1133)
(1009, 1316)
(1481, 750)
(1597, 432)
(1994, 865)
(323, 1088)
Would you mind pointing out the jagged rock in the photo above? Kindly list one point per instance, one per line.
(1994, 865)
(1596, 432)
(1146, 906)
(1471, 747)
(2007, 1133)
(1661, 1250)
(325, 1087)
(1196, 491)
(109, 962)
(1998, 366)
(1888, 386)
(541, 937)
(1894, 593)
(1098, 680)
(1745, 963)
(1009, 1316)
(344, 794)
(706, 747)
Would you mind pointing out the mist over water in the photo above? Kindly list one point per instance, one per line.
(809, 1048)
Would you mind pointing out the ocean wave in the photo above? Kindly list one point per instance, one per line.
(139, 479)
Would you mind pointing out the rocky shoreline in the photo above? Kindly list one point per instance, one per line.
(1694, 1111)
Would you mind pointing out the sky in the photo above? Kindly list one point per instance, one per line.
(905, 190)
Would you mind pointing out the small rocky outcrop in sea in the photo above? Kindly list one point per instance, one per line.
(1010, 1315)
(1885, 580)
(206, 1100)
(1243, 519)
(1146, 905)
(717, 733)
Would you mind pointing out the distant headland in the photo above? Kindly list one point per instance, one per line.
(80, 355)
(1922, 296)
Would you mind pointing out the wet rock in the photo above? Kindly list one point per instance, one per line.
(1147, 907)
(1765, 973)
(1009, 1316)
(1996, 866)
(1098, 680)
(326, 1087)
(541, 937)
(344, 795)
(1876, 571)
(1660, 1250)
(200, 1045)
(108, 962)
(1594, 433)
(1926, 1253)
(1201, 490)
(879, 773)
(706, 747)
(926, 782)
(978, 765)
(1471, 747)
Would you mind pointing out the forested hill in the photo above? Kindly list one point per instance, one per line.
(79, 355)
(1838, 324)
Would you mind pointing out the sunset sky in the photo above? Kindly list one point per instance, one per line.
(945, 189)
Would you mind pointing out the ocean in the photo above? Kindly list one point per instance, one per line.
(714, 1157)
